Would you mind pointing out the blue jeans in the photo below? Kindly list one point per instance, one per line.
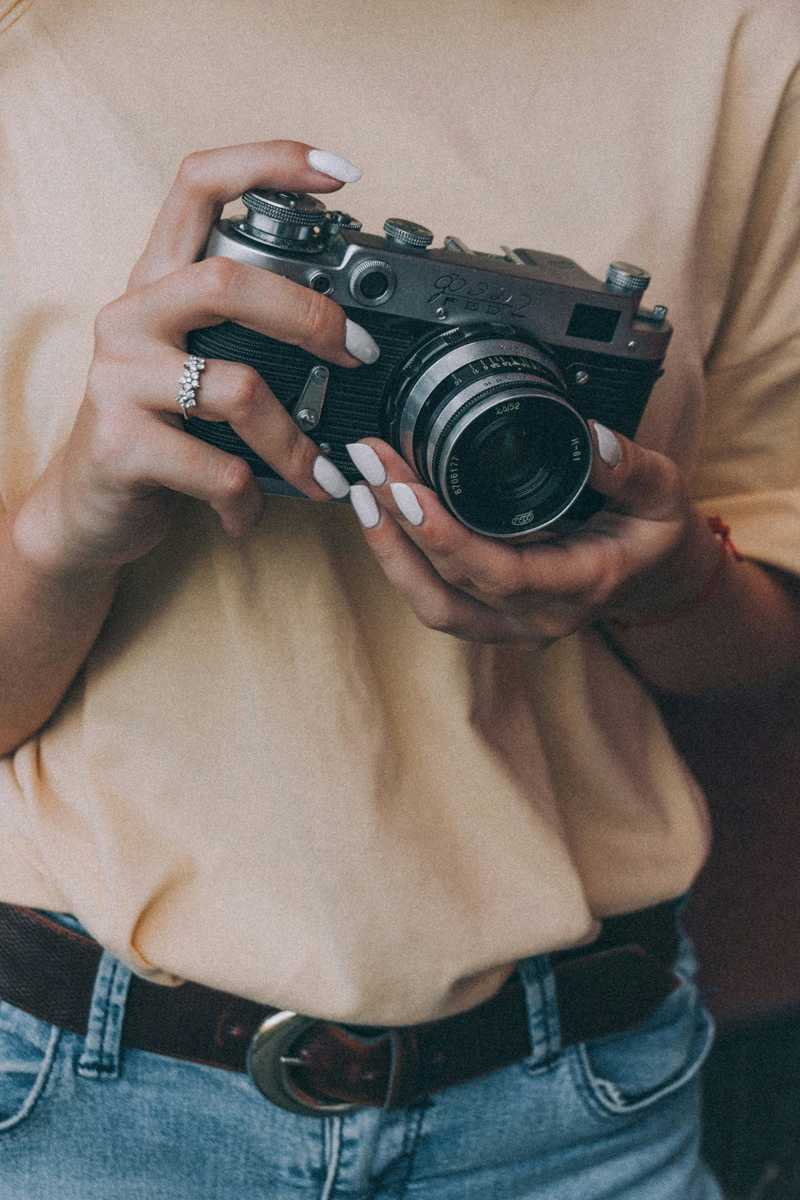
(83, 1118)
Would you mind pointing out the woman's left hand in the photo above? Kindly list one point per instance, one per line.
(627, 562)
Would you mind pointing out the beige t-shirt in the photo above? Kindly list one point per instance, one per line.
(268, 776)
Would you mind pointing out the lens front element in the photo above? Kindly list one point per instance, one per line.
(513, 462)
(483, 418)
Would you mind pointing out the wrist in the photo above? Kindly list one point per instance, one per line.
(683, 581)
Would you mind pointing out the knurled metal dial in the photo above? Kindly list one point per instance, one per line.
(626, 279)
(292, 220)
(407, 233)
(295, 207)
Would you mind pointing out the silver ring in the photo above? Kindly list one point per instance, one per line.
(189, 384)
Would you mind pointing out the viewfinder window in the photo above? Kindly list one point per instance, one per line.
(592, 322)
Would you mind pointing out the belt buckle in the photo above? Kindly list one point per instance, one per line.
(270, 1061)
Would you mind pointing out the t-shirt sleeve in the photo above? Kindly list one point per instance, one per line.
(749, 467)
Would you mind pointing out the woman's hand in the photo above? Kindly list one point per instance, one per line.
(107, 497)
(631, 559)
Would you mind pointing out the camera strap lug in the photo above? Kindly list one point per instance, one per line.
(307, 412)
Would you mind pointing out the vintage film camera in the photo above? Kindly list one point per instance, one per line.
(490, 363)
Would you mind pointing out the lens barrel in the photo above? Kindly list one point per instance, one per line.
(482, 415)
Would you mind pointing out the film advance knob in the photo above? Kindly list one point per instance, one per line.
(407, 233)
(626, 279)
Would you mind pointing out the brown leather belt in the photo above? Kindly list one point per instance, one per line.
(318, 1067)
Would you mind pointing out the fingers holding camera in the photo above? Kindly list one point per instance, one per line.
(547, 589)
(167, 459)
(436, 604)
(219, 289)
(636, 481)
(490, 570)
(227, 391)
(208, 179)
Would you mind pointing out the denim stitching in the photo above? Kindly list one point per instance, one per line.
(410, 1144)
(39, 1083)
(332, 1149)
(100, 1057)
(544, 1018)
(599, 1103)
(552, 1023)
(543, 1023)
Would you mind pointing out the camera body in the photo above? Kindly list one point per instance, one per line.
(490, 364)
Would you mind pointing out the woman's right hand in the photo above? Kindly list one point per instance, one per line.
(107, 497)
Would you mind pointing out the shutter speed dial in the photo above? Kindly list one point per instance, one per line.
(291, 220)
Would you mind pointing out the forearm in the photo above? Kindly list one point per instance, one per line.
(743, 637)
(49, 620)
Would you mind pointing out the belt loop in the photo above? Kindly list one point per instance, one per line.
(544, 1027)
(101, 1050)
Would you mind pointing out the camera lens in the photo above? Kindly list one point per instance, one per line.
(502, 455)
(483, 417)
(513, 471)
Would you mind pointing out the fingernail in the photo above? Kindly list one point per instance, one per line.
(329, 477)
(608, 446)
(364, 503)
(407, 502)
(359, 343)
(334, 165)
(368, 463)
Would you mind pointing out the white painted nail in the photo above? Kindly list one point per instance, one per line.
(367, 462)
(608, 446)
(329, 477)
(334, 165)
(407, 502)
(359, 343)
(365, 505)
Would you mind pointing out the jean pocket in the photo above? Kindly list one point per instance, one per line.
(625, 1072)
(27, 1052)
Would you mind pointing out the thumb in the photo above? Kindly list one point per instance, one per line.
(637, 482)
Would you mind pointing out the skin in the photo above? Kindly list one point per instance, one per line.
(108, 496)
(487, 589)
(635, 571)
